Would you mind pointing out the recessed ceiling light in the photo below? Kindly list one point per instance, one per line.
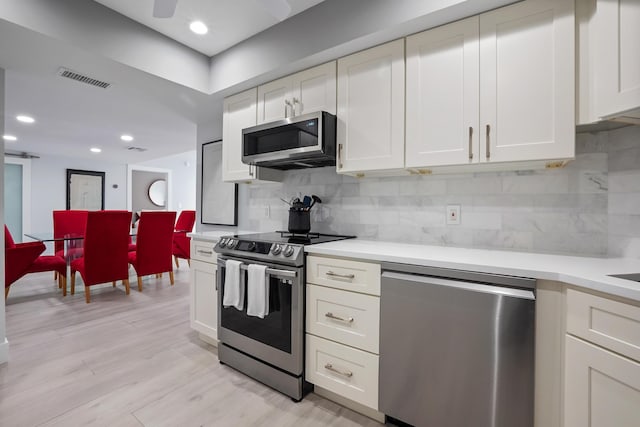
(96, 150)
(198, 27)
(25, 119)
(9, 138)
(127, 138)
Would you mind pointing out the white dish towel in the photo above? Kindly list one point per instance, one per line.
(257, 291)
(233, 285)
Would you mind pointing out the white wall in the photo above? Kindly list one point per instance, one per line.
(183, 179)
(4, 344)
(49, 188)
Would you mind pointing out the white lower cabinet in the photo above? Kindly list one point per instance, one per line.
(344, 370)
(343, 331)
(346, 317)
(602, 389)
(602, 361)
(204, 293)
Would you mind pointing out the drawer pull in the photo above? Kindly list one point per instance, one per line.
(330, 367)
(200, 251)
(341, 319)
(343, 276)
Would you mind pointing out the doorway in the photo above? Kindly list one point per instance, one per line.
(17, 196)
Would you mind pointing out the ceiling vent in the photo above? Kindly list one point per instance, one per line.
(69, 74)
(138, 149)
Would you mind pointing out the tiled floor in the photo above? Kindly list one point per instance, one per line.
(131, 361)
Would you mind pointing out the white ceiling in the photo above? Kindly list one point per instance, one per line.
(162, 116)
(229, 21)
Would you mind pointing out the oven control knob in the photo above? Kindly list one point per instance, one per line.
(288, 251)
(252, 246)
(222, 243)
(231, 243)
(276, 249)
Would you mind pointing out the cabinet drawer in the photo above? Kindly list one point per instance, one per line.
(347, 317)
(343, 370)
(202, 250)
(611, 324)
(344, 274)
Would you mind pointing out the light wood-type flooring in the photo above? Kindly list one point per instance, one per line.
(131, 361)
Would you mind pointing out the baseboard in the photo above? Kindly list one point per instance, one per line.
(208, 340)
(4, 351)
(354, 406)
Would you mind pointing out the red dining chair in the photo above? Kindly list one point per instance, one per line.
(24, 258)
(105, 251)
(181, 242)
(153, 245)
(69, 222)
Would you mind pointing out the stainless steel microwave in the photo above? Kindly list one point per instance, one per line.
(305, 141)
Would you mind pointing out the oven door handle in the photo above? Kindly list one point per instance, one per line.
(270, 271)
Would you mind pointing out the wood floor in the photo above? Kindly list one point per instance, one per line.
(131, 361)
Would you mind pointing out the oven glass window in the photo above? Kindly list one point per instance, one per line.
(275, 329)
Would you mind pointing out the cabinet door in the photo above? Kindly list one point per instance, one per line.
(371, 109)
(617, 56)
(204, 298)
(443, 81)
(527, 102)
(602, 389)
(239, 113)
(314, 90)
(274, 100)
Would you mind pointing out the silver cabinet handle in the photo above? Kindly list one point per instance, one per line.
(295, 101)
(344, 276)
(470, 142)
(341, 319)
(330, 367)
(488, 142)
(200, 251)
(339, 156)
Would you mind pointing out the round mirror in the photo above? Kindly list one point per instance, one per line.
(158, 192)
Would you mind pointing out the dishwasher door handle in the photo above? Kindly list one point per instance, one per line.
(462, 285)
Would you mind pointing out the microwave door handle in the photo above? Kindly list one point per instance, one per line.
(287, 103)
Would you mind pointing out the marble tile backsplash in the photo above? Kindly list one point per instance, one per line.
(589, 207)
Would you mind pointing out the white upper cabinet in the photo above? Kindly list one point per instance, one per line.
(616, 61)
(239, 112)
(443, 81)
(370, 131)
(304, 92)
(527, 81)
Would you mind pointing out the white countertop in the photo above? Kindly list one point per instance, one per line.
(589, 273)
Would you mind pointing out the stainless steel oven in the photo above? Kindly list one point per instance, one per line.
(269, 349)
(272, 348)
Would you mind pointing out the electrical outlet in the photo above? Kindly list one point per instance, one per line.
(453, 214)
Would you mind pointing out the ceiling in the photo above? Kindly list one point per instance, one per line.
(229, 21)
(161, 115)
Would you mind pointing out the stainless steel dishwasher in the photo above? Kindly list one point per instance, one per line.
(456, 347)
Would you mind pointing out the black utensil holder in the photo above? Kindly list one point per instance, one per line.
(299, 221)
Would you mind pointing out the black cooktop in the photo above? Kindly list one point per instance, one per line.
(285, 237)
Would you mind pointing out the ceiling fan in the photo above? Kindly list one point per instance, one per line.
(164, 8)
(279, 9)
